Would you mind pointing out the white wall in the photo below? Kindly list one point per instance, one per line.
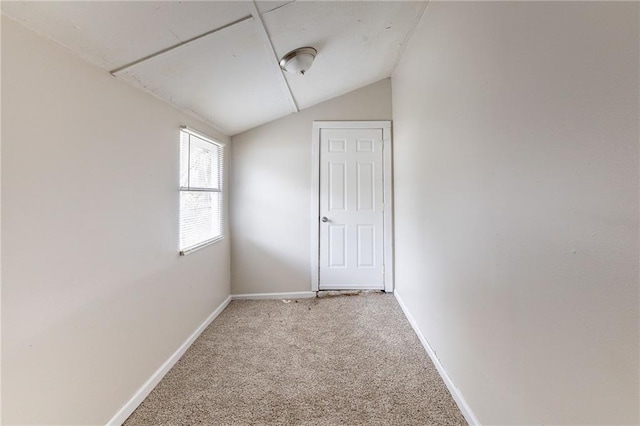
(94, 295)
(516, 194)
(271, 199)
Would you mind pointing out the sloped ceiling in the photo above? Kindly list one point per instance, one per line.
(219, 60)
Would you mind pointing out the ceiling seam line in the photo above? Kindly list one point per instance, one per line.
(409, 36)
(276, 8)
(175, 46)
(265, 34)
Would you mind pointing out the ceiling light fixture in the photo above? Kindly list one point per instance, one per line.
(298, 61)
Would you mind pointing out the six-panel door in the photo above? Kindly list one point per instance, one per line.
(351, 209)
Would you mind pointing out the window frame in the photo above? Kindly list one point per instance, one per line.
(220, 190)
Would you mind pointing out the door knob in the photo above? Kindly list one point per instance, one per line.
(324, 219)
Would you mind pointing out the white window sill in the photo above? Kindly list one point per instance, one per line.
(201, 245)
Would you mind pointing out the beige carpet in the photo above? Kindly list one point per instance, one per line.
(349, 360)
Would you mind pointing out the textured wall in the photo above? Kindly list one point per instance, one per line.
(94, 295)
(271, 192)
(516, 195)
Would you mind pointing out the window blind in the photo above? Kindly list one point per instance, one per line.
(201, 175)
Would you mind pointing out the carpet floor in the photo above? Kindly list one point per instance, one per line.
(347, 360)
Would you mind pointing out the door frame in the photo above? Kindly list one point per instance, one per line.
(387, 178)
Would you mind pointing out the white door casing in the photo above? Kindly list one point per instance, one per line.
(351, 206)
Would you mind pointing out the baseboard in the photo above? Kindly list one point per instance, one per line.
(130, 406)
(455, 392)
(260, 296)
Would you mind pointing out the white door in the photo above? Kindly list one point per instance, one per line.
(351, 252)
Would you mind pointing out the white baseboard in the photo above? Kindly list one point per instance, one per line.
(130, 406)
(455, 392)
(260, 296)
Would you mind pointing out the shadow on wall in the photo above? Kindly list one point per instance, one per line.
(85, 349)
(270, 249)
(271, 268)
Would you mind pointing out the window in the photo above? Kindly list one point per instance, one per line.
(201, 167)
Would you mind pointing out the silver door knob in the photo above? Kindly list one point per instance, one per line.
(324, 219)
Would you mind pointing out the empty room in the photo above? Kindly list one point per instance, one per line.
(307, 212)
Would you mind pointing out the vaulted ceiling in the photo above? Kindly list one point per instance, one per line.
(219, 60)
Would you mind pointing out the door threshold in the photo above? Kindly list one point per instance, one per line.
(338, 293)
